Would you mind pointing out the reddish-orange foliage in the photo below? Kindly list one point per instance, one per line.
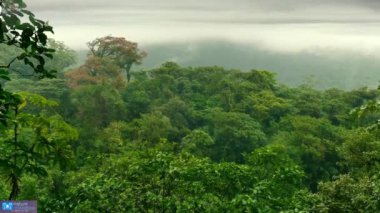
(96, 71)
(122, 51)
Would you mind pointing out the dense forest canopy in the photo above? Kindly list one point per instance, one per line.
(103, 137)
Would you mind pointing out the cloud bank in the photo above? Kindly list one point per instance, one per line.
(279, 25)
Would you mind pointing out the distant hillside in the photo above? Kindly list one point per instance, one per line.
(325, 68)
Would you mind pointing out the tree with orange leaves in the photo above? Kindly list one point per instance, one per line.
(123, 52)
(96, 71)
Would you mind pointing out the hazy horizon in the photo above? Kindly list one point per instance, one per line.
(336, 41)
(281, 26)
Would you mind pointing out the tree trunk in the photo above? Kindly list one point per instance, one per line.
(13, 177)
(15, 184)
(128, 71)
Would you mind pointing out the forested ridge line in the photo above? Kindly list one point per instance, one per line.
(106, 136)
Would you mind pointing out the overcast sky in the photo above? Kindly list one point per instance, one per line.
(280, 25)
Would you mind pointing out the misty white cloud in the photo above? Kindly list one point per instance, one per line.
(268, 5)
(282, 25)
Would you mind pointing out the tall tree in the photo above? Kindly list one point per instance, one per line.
(125, 53)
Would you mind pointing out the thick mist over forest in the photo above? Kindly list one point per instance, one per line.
(330, 43)
(321, 68)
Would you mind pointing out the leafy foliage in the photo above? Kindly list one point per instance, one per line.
(121, 51)
(34, 141)
(175, 139)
